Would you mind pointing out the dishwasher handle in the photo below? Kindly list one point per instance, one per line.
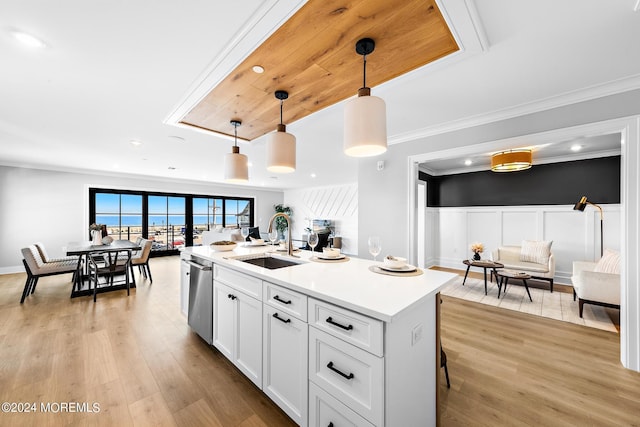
(198, 266)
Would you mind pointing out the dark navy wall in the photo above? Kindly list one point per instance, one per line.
(548, 184)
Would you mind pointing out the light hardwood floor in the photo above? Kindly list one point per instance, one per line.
(137, 358)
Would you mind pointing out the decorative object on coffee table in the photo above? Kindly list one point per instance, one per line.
(477, 248)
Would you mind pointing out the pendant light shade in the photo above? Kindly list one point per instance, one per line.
(365, 122)
(236, 165)
(281, 146)
(511, 161)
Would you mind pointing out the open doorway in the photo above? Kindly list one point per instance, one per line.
(628, 128)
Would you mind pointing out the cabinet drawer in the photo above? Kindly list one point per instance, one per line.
(250, 285)
(352, 327)
(326, 410)
(352, 375)
(286, 300)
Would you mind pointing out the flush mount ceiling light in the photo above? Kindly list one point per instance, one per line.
(511, 161)
(365, 123)
(235, 164)
(281, 146)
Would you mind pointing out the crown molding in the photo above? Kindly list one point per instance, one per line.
(597, 91)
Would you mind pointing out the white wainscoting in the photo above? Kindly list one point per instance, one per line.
(575, 234)
(338, 203)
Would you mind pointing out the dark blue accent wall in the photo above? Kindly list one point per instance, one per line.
(547, 184)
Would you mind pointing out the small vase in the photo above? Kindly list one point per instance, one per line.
(476, 256)
(96, 237)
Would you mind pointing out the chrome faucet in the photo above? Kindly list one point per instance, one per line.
(288, 219)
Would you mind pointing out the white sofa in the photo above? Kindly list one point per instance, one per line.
(597, 282)
(510, 256)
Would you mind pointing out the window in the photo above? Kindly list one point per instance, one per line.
(170, 220)
(121, 213)
(167, 224)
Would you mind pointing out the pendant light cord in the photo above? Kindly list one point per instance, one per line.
(235, 132)
(364, 70)
(281, 102)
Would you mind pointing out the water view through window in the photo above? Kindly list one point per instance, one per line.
(171, 221)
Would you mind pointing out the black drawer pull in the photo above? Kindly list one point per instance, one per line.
(337, 371)
(277, 298)
(281, 319)
(231, 296)
(330, 425)
(347, 328)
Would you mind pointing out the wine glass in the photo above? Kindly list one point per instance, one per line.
(273, 236)
(244, 232)
(375, 247)
(312, 240)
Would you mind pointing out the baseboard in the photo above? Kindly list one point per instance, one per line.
(12, 269)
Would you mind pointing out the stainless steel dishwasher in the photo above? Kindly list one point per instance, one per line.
(201, 297)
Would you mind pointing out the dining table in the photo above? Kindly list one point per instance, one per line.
(82, 250)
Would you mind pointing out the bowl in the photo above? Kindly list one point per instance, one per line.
(394, 261)
(331, 252)
(223, 246)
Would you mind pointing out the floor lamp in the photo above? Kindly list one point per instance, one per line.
(580, 207)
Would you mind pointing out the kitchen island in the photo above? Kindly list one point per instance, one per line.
(329, 342)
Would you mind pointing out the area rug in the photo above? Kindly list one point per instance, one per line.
(557, 305)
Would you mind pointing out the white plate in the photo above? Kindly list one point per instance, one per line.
(404, 269)
(325, 257)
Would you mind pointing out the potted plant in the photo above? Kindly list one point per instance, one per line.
(281, 223)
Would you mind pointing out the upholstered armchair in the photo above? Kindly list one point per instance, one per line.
(597, 282)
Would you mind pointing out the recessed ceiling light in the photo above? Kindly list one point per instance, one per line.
(258, 69)
(468, 162)
(576, 147)
(135, 142)
(29, 40)
(250, 164)
(313, 175)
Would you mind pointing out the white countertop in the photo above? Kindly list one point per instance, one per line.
(349, 284)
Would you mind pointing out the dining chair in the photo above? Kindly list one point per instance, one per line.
(36, 267)
(109, 265)
(141, 260)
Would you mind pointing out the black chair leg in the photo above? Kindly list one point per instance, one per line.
(27, 288)
(34, 282)
(149, 272)
(133, 276)
(443, 364)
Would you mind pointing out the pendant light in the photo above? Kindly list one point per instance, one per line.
(365, 123)
(281, 146)
(236, 168)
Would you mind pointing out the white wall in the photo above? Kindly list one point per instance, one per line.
(53, 207)
(575, 234)
(338, 203)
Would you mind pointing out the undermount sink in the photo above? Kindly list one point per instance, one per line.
(267, 261)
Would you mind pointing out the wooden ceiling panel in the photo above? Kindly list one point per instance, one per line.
(312, 56)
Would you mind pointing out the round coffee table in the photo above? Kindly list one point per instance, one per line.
(484, 264)
(505, 275)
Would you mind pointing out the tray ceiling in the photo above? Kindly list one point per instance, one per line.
(312, 56)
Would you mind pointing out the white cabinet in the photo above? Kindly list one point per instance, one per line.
(237, 329)
(350, 374)
(326, 410)
(285, 362)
